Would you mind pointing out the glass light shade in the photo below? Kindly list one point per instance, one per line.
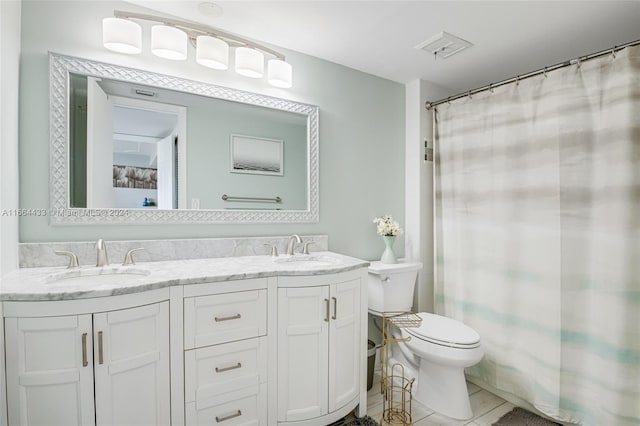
(212, 52)
(279, 73)
(121, 35)
(249, 62)
(169, 42)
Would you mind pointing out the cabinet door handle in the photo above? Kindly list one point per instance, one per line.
(326, 318)
(335, 308)
(84, 350)
(232, 317)
(232, 367)
(229, 416)
(100, 354)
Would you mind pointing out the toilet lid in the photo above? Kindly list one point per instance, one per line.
(380, 268)
(444, 331)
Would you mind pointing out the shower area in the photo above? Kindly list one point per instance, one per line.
(537, 234)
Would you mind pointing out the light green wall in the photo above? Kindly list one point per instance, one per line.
(361, 133)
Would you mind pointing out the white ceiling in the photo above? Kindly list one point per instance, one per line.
(378, 37)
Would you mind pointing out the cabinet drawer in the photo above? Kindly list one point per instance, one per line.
(215, 370)
(246, 407)
(221, 318)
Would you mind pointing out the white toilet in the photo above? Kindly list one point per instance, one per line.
(437, 352)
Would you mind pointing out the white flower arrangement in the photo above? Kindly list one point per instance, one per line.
(387, 227)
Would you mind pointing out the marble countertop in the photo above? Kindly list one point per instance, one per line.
(60, 283)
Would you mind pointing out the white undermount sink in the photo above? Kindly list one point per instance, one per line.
(104, 275)
(308, 260)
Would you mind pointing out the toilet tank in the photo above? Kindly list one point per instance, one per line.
(391, 286)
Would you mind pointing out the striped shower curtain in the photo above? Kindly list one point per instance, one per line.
(537, 188)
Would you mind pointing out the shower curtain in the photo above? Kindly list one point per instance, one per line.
(537, 195)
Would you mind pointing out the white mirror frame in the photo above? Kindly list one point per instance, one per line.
(61, 213)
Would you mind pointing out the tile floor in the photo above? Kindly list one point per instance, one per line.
(486, 407)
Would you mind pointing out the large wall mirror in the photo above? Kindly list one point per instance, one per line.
(132, 146)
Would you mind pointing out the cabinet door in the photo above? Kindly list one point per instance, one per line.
(344, 344)
(49, 371)
(303, 326)
(131, 357)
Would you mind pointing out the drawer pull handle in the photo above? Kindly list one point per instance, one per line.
(100, 352)
(326, 318)
(335, 308)
(223, 369)
(228, 417)
(84, 350)
(236, 316)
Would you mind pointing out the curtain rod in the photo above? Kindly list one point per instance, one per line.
(430, 105)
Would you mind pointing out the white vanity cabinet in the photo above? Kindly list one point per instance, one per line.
(284, 347)
(319, 346)
(104, 368)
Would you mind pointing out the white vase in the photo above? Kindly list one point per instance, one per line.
(388, 256)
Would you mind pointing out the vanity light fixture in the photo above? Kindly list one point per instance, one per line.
(212, 52)
(279, 73)
(121, 35)
(170, 38)
(249, 62)
(169, 42)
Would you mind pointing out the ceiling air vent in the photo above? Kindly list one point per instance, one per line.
(443, 45)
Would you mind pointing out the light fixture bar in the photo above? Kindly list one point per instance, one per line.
(194, 30)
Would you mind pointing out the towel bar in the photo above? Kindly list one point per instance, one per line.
(226, 197)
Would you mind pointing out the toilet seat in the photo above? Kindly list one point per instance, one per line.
(443, 331)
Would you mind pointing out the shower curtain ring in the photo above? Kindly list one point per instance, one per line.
(545, 72)
(613, 52)
(469, 95)
(491, 88)
(517, 81)
(449, 100)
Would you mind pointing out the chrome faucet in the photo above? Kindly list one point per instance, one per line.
(102, 258)
(293, 239)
